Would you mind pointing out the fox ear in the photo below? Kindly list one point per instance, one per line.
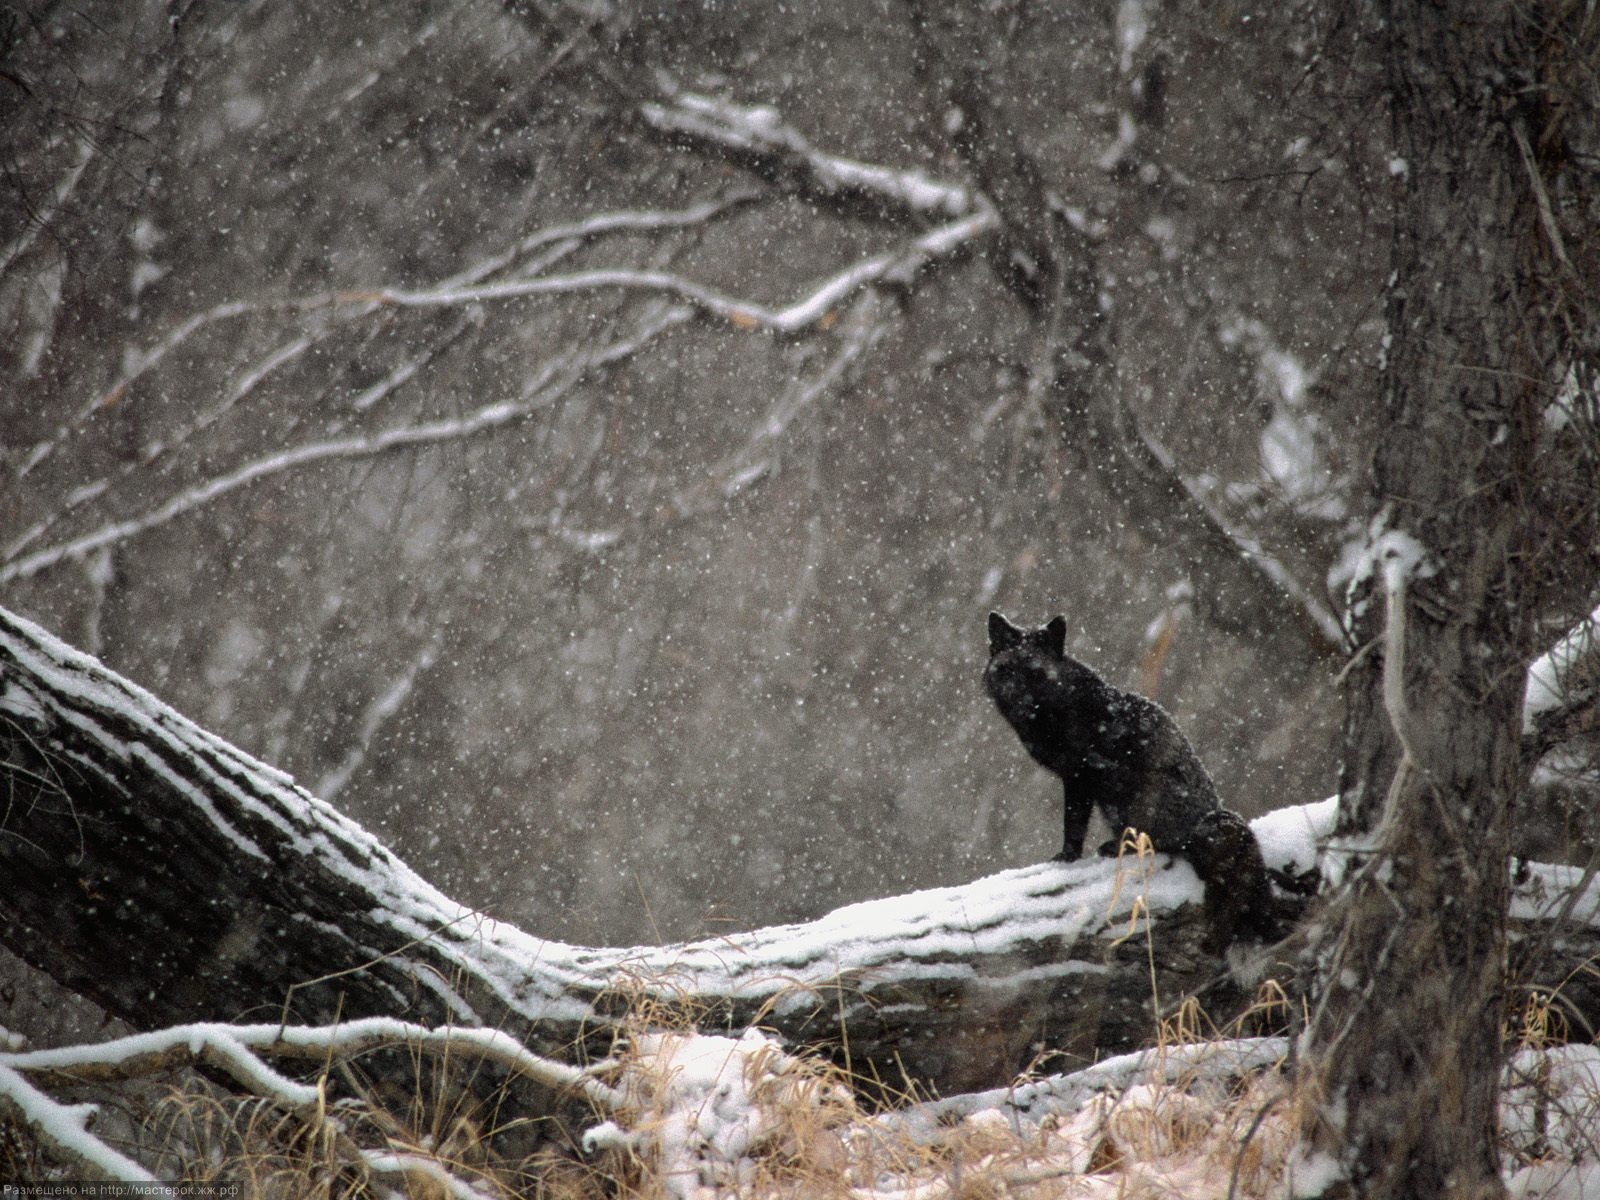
(1055, 635)
(1002, 634)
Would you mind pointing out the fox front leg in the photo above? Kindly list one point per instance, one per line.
(1075, 824)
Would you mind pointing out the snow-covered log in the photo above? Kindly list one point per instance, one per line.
(155, 868)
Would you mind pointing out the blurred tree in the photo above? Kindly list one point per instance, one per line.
(553, 424)
(584, 439)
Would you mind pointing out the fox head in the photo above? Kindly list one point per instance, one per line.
(1050, 637)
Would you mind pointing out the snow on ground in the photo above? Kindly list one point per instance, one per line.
(1203, 1120)
(707, 1117)
(1026, 1105)
(703, 1111)
(1551, 1107)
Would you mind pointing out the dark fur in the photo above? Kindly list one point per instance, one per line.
(1122, 753)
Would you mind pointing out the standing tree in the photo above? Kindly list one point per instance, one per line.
(1486, 537)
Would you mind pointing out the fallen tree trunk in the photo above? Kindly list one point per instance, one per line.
(169, 877)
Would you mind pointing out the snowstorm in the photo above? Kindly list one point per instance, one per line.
(601, 502)
(581, 446)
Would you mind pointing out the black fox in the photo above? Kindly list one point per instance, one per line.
(1123, 753)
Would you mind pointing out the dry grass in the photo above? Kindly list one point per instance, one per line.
(794, 1128)
(392, 1124)
(810, 1134)
(798, 1131)
(697, 1116)
(694, 1116)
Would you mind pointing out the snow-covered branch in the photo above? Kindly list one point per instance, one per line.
(894, 266)
(142, 362)
(65, 1129)
(381, 709)
(574, 233)
(897, 266)
(561, 237)
(753, 461)
(1027, 1105)
(491, 416)
(818, 306)
(296, 904)
(240, 1050)
(83, 494)
(1214, 530)
(758, 133)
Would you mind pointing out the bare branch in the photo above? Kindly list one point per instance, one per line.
(1212, 529)
(590, 228)
(559, 378)
(1547, 218)
(79, 496)
(164, 447)
(381, 709)
(1045, 257)
(753, 461)
(43, 216)
(142, 363)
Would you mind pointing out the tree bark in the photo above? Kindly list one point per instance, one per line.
(1404, 1045)
(171, 878)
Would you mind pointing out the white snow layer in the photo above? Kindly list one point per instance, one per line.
(1548, 677)
(703, 1110)
(1026, 1105)
(928, 933)
(760, 127)
(1550, 1114)
(66, 1126)
(1291, 837)
(700, 1107)
(1394, 555)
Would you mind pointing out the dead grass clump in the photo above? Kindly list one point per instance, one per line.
(733, 1115)
(706, 1115)
(675, 1114)
(398, 1120)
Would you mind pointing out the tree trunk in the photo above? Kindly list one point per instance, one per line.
(1404, 1049)
(171, 878)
